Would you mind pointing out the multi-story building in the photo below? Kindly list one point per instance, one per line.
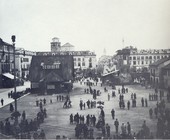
(22, 62)
(6, 64)
(133, 57)
(82, 59)
(143, 58)
(166, 76)
(156, 78)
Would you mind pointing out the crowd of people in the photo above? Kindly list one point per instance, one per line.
(90, 104)
(85, 125)
(23, 128)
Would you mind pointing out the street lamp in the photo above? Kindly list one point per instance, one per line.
(15, 96)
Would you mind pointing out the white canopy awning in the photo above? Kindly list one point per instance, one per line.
(8, 75)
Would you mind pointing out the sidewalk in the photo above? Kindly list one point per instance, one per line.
(4, 93)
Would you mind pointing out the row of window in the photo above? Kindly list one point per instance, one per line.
(25, 60)
(140, 62)
(79, 59)
(82, 64)
(25, 66)
(6, 48)
(148, 57)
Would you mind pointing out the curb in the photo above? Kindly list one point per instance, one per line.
(14, 100)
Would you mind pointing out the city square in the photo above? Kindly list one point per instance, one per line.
(58, 123)
(89, 69)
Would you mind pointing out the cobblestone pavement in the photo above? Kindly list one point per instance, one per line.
(57, 122)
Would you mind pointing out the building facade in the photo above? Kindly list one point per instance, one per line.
(6, 64)
(166, 76)
(156, 76)
(133, 57)
(143, 58)
(22, 62)
(82, 59)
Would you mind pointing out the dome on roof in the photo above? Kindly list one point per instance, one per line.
(67, 45)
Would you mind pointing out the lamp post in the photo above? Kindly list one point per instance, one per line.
(13, 41)
(16, 113)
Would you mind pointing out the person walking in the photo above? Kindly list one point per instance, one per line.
(142, 101)
(116, 123)
(88, 103)
(11, 107)
(150, 112)
(94, 120)
(84, 105)
(2, 102)
(128, 105)
(146, 102)
(123, 128)
(134, 95)
(81, 105)
(108, 97)
(23, 115)
(71, 119)
(128, 128)
(103, 131)
(108, 130)
(113, 114)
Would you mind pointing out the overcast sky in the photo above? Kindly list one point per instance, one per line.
(86, 24)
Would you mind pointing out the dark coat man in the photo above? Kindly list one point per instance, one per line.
(88, 103)
(116, 123)
(146, 103)
(108, 130)
(128, 128)
(113, 114)
(142, 101)
(128, 105)
(2, 101)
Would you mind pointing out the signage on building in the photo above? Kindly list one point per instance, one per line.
(55, 65)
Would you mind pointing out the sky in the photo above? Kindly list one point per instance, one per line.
(87, 24)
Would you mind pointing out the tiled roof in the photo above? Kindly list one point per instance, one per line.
(65, 71)
(160, 61)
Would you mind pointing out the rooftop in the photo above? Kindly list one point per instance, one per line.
(157, 63)
(150, 51)
(4, 43)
